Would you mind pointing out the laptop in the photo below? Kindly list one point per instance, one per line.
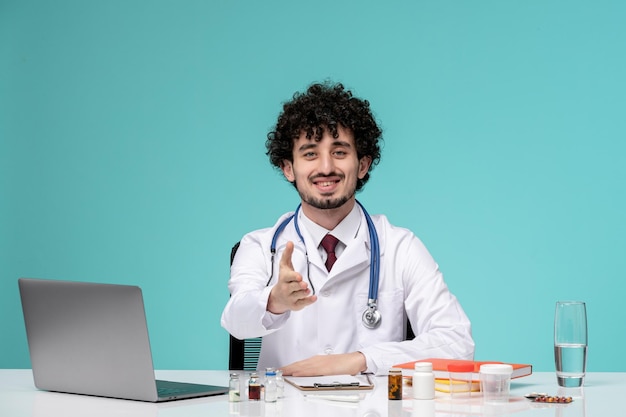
(92, 339)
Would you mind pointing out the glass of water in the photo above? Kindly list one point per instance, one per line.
(570, 342)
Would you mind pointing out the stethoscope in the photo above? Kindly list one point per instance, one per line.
(371, 316)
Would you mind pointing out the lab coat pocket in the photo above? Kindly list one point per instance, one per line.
(391, 308)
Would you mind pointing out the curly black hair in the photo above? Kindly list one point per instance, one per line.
(325, 106)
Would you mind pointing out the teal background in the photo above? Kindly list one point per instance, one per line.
(132, 151)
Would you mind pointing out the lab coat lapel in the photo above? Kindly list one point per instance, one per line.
(358, 252)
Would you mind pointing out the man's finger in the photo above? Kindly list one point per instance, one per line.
(285, 259)
(303, 302)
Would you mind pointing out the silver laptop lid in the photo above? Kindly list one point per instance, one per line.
(88, 338)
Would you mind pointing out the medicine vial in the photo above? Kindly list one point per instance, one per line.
(280, 384)
(423, 381)
(394, 384)
(271, 389)
(233, 388)
(254, 387)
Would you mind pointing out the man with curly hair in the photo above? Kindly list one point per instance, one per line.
(311, 308)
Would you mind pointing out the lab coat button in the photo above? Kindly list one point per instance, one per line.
(328, 350)
(325, 293)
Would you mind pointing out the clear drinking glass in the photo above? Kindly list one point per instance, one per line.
(570, 342)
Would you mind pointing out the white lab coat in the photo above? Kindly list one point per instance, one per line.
(410, 285)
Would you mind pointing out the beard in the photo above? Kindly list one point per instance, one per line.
(326, 203)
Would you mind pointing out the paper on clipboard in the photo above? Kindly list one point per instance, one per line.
(332, 382)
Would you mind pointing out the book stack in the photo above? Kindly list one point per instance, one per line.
(442, 375)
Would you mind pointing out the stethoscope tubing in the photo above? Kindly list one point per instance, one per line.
(375, 261)
(371, 317)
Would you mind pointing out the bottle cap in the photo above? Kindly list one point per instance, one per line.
(423, 366)
(270, 373)
(496, 369)
(395, 370)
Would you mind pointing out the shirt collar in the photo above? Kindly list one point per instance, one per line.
(345, 231)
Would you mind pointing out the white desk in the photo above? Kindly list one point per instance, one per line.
(602, 395)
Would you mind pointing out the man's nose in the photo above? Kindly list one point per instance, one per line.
(327, 164)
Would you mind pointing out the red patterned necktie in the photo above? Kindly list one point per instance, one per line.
(328, 243)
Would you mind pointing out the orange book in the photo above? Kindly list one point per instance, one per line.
(440, 367)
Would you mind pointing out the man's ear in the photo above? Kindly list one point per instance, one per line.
(364, 166)
(287, 168)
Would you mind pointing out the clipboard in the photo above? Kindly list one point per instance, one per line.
(331, 383)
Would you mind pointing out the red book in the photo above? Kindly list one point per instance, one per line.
(440, 367)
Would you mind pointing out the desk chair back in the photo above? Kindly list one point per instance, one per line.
(243, 354)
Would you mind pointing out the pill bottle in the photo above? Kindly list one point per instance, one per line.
(495, 382)
(394, 384)
(423, 381)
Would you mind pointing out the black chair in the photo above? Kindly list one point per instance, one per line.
(244, 354)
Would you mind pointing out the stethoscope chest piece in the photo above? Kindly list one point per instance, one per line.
(371, 316)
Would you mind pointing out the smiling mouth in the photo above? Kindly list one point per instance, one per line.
(327, 184)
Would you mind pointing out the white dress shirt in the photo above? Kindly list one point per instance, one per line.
(345, 231)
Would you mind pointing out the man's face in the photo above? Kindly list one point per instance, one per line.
(325, 173)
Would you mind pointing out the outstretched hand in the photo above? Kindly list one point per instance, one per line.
(291, 292)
